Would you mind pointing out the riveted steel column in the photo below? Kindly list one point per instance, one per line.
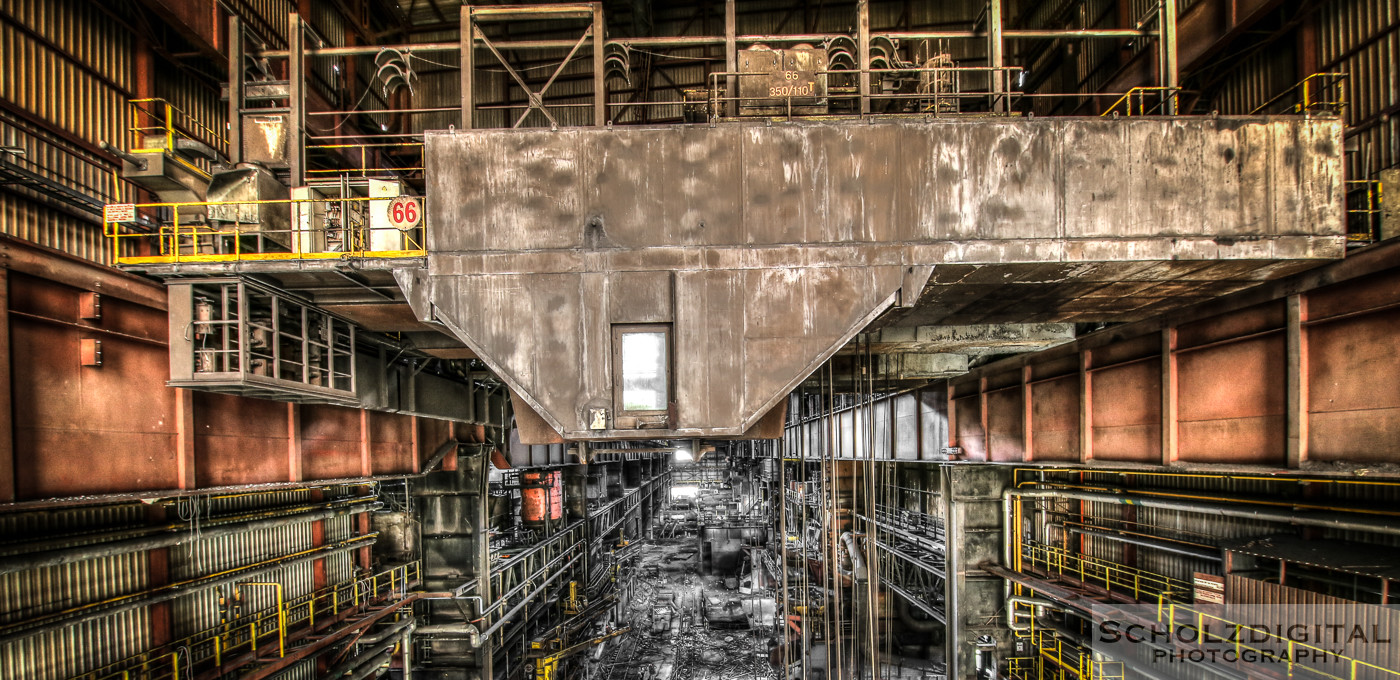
(600, 83)
(1296, 371)
(468, 64)
(995, 57)
(863, 45)
(1167, 60)
(235, 89)
(731, 58)
(296, 104)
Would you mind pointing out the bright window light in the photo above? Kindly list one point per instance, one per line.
(683, 456)
(684, 491)
(644, 371)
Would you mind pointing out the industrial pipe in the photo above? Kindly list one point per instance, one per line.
(486, 634)
(1032, 602)
(383, 644)
(915, 561)
(447, 447)
(1326, 521)
(857, 560)
(906, 613)
(131, 158)
(393, 629)
(1164, 546)
(654, 42)
(374, 666)
(50, 558)
(319, 646)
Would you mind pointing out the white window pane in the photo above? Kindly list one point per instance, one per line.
(644, 371)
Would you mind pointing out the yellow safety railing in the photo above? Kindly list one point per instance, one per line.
(1317, 93)
(157, 126)
(1024, 668)
(1140, 584)
(1143, 101)
(1074, 660)
(1364, 210)
(210, 648)
(1216, 629)
(1172, 612)
(363, 168)
(291, 229)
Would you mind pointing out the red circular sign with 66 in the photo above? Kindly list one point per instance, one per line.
(405, 212)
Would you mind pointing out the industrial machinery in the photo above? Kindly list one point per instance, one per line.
(547, 661)
(238, 336)
(783, 81)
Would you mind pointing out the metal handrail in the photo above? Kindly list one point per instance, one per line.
(1369, 212)
(1141, 584)
(1171, 612)
(1164, 94)
(1002, 74)
(1309, 87)
(212, 645)
(167, 236)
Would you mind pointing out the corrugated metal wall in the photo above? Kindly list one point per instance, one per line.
(29, 594)
(111, 639)
(66, 63)
(1362, 38)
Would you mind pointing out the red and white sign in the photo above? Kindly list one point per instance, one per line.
(1208, 588)
(119, 212)
(405, 212)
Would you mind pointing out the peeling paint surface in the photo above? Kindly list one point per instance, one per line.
(767, 246)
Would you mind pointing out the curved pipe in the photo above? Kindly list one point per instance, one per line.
(1013, 617)
(906, 616)
(857, 559)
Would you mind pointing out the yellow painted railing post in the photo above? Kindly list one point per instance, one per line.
(169, 130)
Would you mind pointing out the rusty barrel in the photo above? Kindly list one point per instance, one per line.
(541, 496)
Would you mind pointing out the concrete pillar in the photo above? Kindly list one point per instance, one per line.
(1390, 203)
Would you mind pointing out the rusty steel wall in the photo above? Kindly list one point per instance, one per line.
(582, 227)
(1231, 390)
(1231, 376)
(79, 433)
